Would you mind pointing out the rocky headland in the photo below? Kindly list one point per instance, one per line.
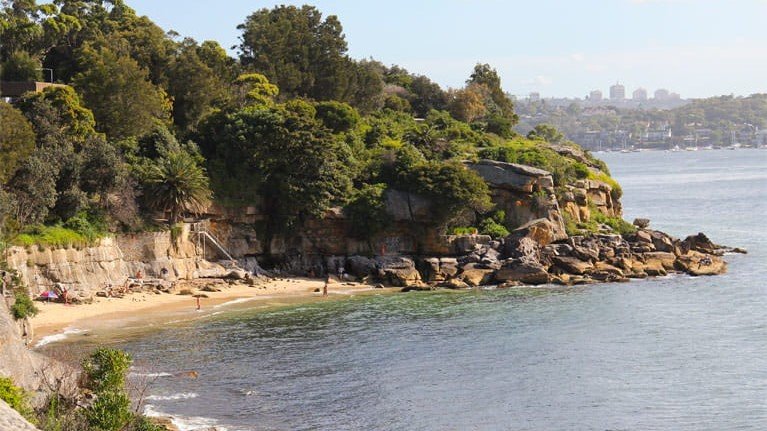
(562, 236)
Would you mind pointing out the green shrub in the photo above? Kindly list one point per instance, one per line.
(106, 368)
(464, 230)
(15, 397)
(367, 211)
(337, 116)
(142, 423)
(23, 307)
(617, 191)
(110, 411)
(616, 223)
(580, 170)
(493, 228)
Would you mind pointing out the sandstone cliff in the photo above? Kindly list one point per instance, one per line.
(112, 260)
(10, 420)
(36, 373)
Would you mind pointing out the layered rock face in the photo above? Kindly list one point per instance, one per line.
(111, 260)
(10, 420)
(523, 192)
(579, 195)
(35, 373)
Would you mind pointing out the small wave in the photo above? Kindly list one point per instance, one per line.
(178, 396)
(184, 423)
(58, 337)
(242, 300)
(234, 301)
(134, 374)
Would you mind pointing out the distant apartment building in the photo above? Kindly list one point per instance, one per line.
(617, 92)
(639, 94)
(661, 94)
(595, 96)
(535, 97)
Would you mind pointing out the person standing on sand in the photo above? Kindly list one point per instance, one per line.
(198, 302)
(325, 287)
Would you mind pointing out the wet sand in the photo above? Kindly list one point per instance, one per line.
(56, 319)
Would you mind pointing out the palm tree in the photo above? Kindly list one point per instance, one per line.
(175, 184)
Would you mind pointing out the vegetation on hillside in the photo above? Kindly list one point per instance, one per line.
(152, 126)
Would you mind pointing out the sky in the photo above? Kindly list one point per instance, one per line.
(566, 48)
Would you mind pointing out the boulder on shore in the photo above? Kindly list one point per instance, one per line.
(525, 270)
(399, 271)
(696, 263)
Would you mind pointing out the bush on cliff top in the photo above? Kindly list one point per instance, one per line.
(532, 153)
(23, 307)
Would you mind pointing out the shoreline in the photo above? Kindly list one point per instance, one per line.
(56, 321)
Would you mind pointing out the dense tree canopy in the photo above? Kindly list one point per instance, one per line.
(17, 139)
(123, 99)
(149, 121)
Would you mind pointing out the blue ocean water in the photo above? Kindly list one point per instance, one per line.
(672, 353)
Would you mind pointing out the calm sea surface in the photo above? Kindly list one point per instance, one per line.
(675, 353)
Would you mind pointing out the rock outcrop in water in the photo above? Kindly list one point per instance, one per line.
(533, 255)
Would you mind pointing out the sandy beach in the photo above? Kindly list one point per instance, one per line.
(55, 320)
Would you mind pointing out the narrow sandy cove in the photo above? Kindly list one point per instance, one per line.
(55, 318)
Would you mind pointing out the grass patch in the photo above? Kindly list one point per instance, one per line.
(616, 223)
(597, 218)
(52, 236)
(79, 231)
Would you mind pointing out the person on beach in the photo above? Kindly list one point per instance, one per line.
(198, 303)
(2, 282)
(325, 287)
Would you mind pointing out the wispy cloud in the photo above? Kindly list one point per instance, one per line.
(539, 81)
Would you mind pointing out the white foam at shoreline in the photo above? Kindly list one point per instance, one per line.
(58, 337)
(178, 396)
(241, 300)
(185, 423)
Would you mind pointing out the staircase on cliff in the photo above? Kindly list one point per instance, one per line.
(204, 237)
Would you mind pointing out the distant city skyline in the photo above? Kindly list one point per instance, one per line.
(614, 93)
(698, 48)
